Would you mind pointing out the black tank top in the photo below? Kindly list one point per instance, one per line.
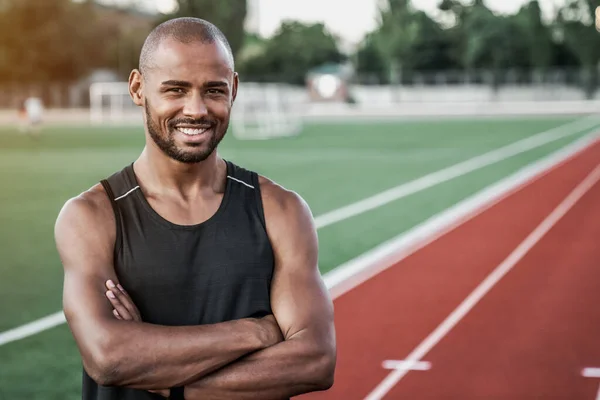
(216, 271)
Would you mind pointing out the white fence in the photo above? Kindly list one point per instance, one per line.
(389, 102)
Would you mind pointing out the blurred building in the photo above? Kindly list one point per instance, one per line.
(329, 82)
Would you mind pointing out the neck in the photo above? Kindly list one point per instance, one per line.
(161, 173)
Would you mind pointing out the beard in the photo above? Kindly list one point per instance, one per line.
(167, 143)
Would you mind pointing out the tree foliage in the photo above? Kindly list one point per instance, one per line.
(62, 40)
(469, 36)
(47, 41)
(293, 50)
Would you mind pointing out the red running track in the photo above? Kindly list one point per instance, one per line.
(528, 338)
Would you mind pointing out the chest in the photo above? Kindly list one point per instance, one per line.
(186, 212)
(184, 276)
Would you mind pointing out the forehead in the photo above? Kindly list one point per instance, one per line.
(190, 61)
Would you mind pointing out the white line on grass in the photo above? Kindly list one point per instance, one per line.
(354, 272)
(396, 193)
(32, 328)
(484, 287)
(455, 171)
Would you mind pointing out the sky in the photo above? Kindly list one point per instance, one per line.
(348, 19)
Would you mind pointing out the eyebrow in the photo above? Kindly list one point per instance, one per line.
(177, 83)
(185, 84)
(216, 84)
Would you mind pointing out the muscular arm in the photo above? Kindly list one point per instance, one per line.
(129, 353)
(305, 360)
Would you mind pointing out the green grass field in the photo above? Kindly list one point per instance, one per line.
(330, 165)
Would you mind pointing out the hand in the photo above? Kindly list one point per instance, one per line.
(124, 309)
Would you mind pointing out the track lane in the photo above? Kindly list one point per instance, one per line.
(535, 332)
(390, 314)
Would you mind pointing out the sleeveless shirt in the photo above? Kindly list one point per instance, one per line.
(215, 271)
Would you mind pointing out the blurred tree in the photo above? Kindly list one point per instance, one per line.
(576, 26)
(481, 39)
(431, 48)
(538, 37)
(397, 34)
(291, 53)
(228, 15)
(406, 40)
(253, 46)
(50, 40)
(125, 31)
(372, 64)
(494, 42)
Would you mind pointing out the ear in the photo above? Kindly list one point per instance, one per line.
(236, 82)
(135, 87)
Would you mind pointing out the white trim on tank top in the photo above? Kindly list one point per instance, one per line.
(239, 181)
(229, 177)
(127, 194)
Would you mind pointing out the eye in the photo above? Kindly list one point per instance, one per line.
(215, 91)
(176, 90)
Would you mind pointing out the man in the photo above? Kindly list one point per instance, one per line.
(186, 275)
(31, 111)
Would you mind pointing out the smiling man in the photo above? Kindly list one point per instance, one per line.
(185, 274)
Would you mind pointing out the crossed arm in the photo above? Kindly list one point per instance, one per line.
(251, 358)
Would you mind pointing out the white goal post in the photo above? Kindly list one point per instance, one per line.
(268, 110)
(261, 110)
(110, 102)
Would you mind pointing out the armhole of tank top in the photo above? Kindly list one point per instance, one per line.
(115, 207)
(259, 202)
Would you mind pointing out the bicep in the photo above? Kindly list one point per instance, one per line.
(86, 310)
(300, 300)
(83, 243)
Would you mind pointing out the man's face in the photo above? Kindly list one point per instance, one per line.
(187, 95)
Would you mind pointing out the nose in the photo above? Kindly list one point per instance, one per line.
(195, 106)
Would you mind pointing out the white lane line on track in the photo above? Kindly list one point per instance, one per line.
(591, 373)
(406, 365)
(488, 283)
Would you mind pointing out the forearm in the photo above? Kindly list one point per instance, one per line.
(287, 369)
(146, 356)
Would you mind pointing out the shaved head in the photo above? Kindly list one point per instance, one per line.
(185, 30)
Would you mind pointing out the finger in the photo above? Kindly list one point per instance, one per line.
(125, 300)
(126, 296)
(117, 315)
(118, 306)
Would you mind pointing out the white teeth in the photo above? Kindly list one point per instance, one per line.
(191, 131)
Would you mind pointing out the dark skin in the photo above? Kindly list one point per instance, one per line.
(286, 354)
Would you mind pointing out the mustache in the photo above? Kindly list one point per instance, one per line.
(202, 122)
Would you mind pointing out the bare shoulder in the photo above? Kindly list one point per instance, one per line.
(283, 205)
(87, 217)
(92, 205)
(290, 227)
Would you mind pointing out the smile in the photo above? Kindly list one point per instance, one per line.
(192, 131)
